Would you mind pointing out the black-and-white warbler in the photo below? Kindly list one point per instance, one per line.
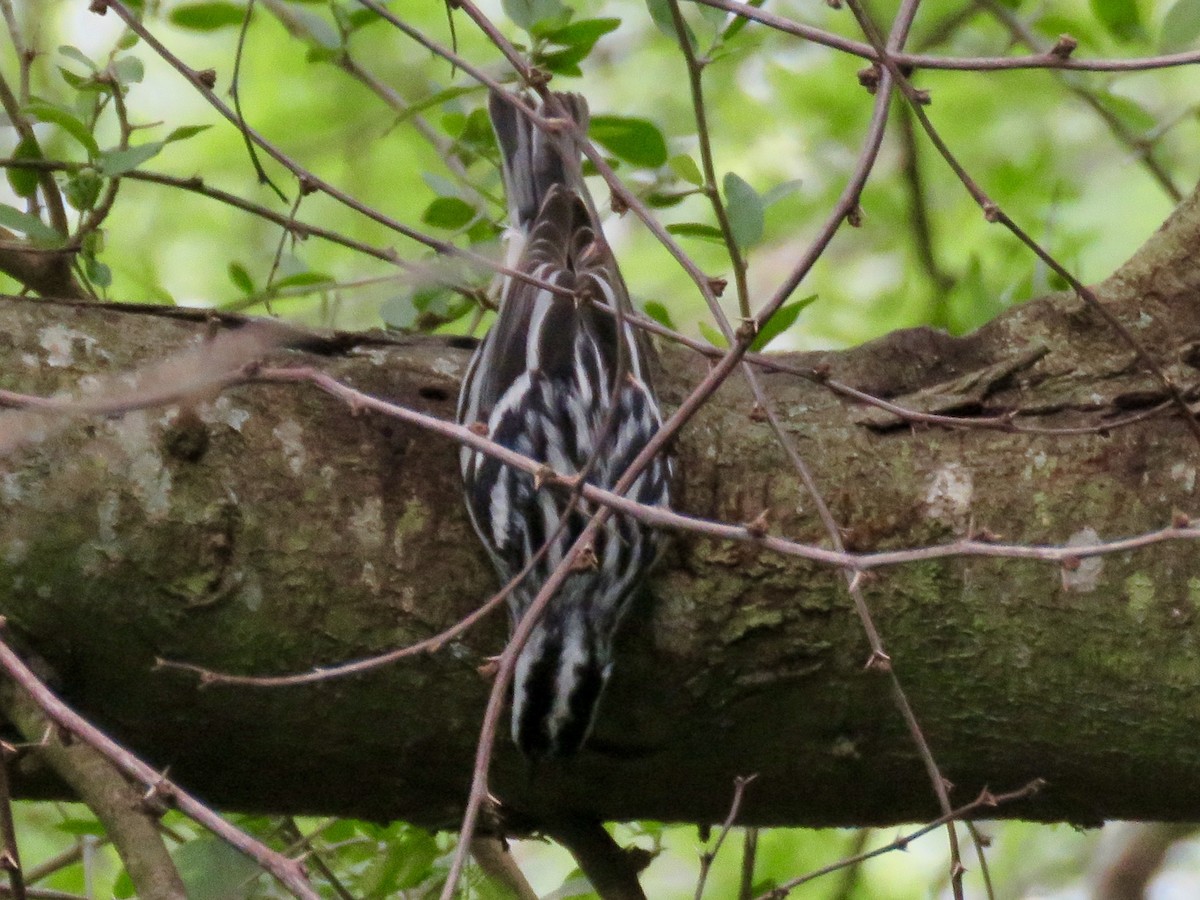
(557, 380)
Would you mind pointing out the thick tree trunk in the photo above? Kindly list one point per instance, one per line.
(275, 530)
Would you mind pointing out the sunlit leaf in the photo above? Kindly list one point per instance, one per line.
(78, 826)
(123, 887)
(685, 167)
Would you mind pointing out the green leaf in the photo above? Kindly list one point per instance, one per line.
(78, 82)
(207, 16)
(81, 827)
(398, 312)
(528, 14)
(1181, 26)
(408, 862)
(739, 22)
(777, 193)
(633, 140)
(448, 212)
(128, 70)
(784, 318)
(697, 230)
(35, 228)
(563, 62)
(357, 19)
(241, 279)
(97, 272)
(1120, 17)
(660, 14)
(83, 189)
(78, 55)
(25, 181)
(66, 120)
(658, 313)
(1129, 111)
(436, 99)
(713, 336)
(123, 888)
(579, 38)
(303, 279)
(323, 35)
(685, 167)
(185, 132)
(114, 163)
(583, 33)
(665, 200)
(745, 210)
(212, 870)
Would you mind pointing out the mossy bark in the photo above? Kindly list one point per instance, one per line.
(271, 529)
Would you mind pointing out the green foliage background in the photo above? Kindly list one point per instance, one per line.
(787, 121)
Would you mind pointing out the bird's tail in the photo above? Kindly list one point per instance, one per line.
(534, 160)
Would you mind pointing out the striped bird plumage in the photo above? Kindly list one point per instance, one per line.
(558, 380)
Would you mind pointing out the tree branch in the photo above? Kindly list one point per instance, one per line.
(269, 528)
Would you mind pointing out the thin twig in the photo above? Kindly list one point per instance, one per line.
(10, 859)
(288, 872)
(1142, 148)
(50, 193)
(313, 181)
(695, 70)
(962, 64)
(993, 213)
(749, 857)
(985, 800)
(735, 808)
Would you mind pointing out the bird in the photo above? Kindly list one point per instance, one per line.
(568, 385)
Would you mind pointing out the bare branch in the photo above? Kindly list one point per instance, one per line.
(288, 872)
